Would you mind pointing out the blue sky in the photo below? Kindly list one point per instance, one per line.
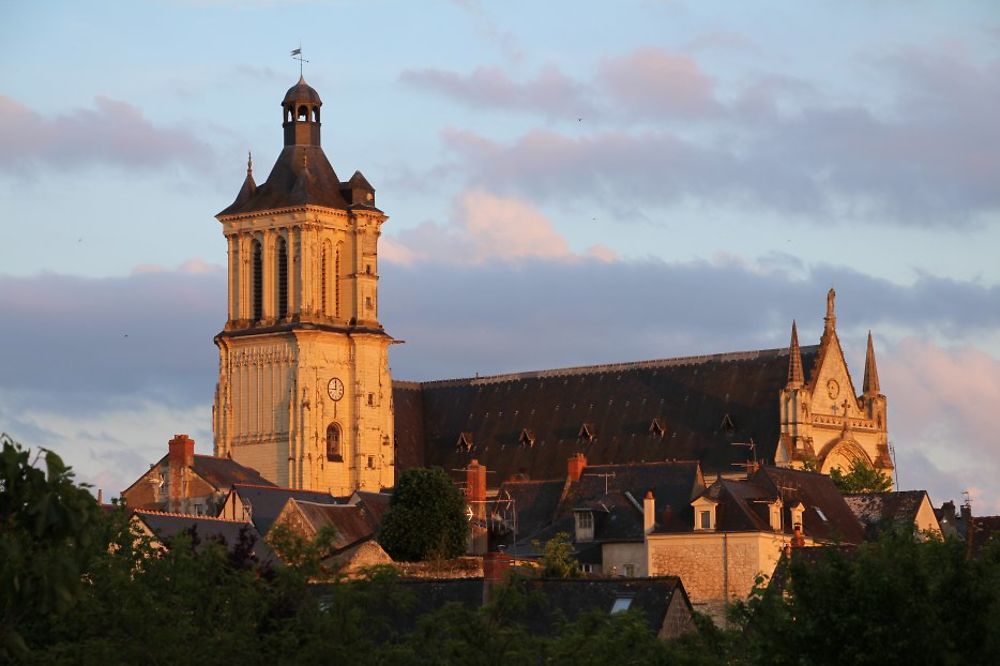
(567, 183)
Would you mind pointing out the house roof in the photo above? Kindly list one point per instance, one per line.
(705, 404)
(985, 529)
(881, 511)
(349, 523)
(230, 533)
(550, 599)
(534, 504)
(266, 502)
(614, 493)
(224, 473)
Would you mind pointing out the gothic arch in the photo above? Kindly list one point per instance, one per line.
(334, 443)
(841, 453)
(256, 279)
(281, 265)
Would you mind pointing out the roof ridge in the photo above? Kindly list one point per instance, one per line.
(607, 367)
(261, 485)
(151, 512)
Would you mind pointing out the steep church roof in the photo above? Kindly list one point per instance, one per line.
(702, 404)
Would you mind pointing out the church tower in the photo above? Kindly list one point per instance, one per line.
(304, 393)
(824, 421)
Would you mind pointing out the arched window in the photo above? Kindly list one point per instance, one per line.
(323, 287)
(315, 114)
(303, 113)
(336, 285)
(282, 252)
(257, 282)
(333, 452)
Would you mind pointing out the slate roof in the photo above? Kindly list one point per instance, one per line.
(879, 512)
(545, 508)
(167, 526)
(692, 398)
(302, 175)
(744, 505)
(549, 599)
(985, 530)
(266, 502)
(377, 504)
(223, 473)
(350, 523)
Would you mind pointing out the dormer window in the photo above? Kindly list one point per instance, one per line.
(584, 519)
(728, 426)
(527, 438)
(658, 427)
(704, 514)
(774, 513)
(797, 512)
(464, 443)
(588, 431)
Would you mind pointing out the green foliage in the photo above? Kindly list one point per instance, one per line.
(898, 600)
(426, 519)
(860, 478)
(46, 541)
(557, 558)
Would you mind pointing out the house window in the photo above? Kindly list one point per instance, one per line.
(586, 520)
(621, 605)
(371, 462)
(584, 525)
(371, 399)
(705, 520)
(333, 451)
(586, 568)
(628, 570)
(199, 509)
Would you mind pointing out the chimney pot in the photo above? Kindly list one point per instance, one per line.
(575, 466)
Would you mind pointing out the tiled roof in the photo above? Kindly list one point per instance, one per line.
(350, 523)
(167, 526)
(705, 404)
(302, 175)
(223, 473)
(879, 511)
(266, 502)
(827, 516)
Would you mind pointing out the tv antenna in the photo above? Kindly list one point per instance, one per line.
(751, 463)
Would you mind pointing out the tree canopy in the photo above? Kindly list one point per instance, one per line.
(426, 518)
(860, 478)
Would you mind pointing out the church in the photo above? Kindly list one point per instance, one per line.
(305, 395)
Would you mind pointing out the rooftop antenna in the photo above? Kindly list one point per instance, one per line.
(606, 477)
(297, 55)
(750, 464)
(895, 467)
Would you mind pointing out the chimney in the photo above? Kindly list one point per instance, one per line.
(969, 525)
(648, 512)
(495, 568)
(100, 496)
(798, 538)
(475, 495)
(180, 458)
(475, 484)
(575, 466)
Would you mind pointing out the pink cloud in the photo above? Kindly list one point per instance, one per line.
(942, 404)
(654, 83)
(487, 228)
(112, 133)
(551, 92)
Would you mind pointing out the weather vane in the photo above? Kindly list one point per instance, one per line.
(297, 55)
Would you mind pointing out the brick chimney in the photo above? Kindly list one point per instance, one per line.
(648, 512)
(495, 568)
(180, 458)
(475, 495)
(475, 483)
(575, 466)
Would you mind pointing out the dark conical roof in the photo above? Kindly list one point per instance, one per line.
(302, 92)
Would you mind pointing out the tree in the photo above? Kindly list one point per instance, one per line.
(426, 518)
(47, 538)
(557, 558)
(860, 478)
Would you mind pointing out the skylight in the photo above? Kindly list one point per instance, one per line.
(621, 605)
(821, 514)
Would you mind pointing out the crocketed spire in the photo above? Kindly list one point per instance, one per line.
(795, 374)
(871, 386)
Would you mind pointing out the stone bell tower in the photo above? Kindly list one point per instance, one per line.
(304, 393)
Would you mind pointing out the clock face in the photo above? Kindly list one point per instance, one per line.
(335, 389)
(833, 388)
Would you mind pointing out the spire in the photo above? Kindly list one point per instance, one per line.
(795, 375)
(871, 386)
(249, 187)
(830, 320)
